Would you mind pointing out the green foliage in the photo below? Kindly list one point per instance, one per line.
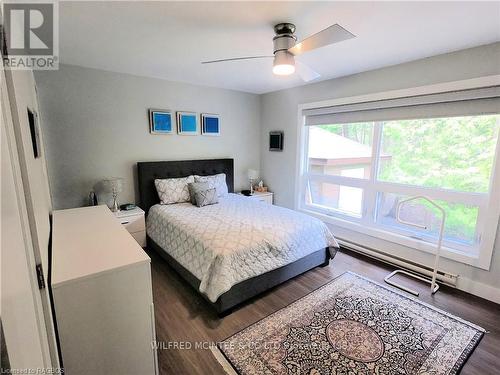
(450, 153)
(460, 221)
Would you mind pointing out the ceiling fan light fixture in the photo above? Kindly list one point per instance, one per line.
(285, 48)
(283, 69)
(284, 63)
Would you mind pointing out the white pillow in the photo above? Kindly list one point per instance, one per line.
(218, 181)
(173, 190)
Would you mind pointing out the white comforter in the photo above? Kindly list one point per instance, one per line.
(234, 240)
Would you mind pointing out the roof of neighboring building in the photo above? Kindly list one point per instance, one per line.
(327, 145)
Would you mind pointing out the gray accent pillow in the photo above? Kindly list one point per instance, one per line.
(173, 190)
(217, 181)
(206, 197)
(195, 187)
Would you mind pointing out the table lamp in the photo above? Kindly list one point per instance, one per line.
(113, 185)
(253, 174)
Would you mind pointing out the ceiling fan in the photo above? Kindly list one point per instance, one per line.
(286, 48)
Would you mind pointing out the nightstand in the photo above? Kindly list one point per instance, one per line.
(133, 221)
(266, 197)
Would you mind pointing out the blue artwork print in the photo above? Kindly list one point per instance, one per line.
(160, 122)
(211, 124)
(188, 123)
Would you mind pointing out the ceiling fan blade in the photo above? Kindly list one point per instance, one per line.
(330, 35)
(305, 72)
(236, 59)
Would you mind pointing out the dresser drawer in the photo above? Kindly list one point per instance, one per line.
(134, 223)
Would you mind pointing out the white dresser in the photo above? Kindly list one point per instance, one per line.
(102, 295)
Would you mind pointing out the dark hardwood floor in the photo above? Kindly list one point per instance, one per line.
(184, 318)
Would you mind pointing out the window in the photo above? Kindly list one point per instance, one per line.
(343, 199)
(356, 170)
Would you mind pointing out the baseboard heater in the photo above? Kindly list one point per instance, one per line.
(442, 276)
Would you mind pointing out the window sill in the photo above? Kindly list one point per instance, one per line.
(446, 252)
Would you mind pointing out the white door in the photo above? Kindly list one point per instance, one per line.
(23, 99)
(21, 301)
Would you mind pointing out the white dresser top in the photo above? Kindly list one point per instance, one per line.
(88, 241)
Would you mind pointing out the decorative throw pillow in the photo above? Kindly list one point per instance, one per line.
(218, 181)
(195, 187)
(206, 197)
(173, 190)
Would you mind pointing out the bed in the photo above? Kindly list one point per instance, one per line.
(236, 249)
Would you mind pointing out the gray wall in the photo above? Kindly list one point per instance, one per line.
(279, 112)
(95, 125)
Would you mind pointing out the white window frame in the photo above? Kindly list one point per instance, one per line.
(488, 203)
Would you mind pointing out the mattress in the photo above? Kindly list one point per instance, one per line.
(237, 239)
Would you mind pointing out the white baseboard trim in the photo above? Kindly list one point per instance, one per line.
(479, 289)
(442, 276)
(476, 288)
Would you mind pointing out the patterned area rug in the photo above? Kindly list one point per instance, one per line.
(352, 326)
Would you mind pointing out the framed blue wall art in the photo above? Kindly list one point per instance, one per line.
(210, 124)
(187, 123)
(160, 121)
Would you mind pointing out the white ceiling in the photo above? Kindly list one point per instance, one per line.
(169, 39)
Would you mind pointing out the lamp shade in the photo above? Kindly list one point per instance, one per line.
(113, 185)
(253, 174)
(284, 63)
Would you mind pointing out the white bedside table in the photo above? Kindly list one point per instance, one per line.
(133, 221)
(266, 197)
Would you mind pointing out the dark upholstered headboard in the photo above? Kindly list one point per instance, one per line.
(147, 172)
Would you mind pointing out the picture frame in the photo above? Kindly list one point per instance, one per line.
(35, 133)
(187, 123)
(160, 121)
(276, 141)
(210, 124)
